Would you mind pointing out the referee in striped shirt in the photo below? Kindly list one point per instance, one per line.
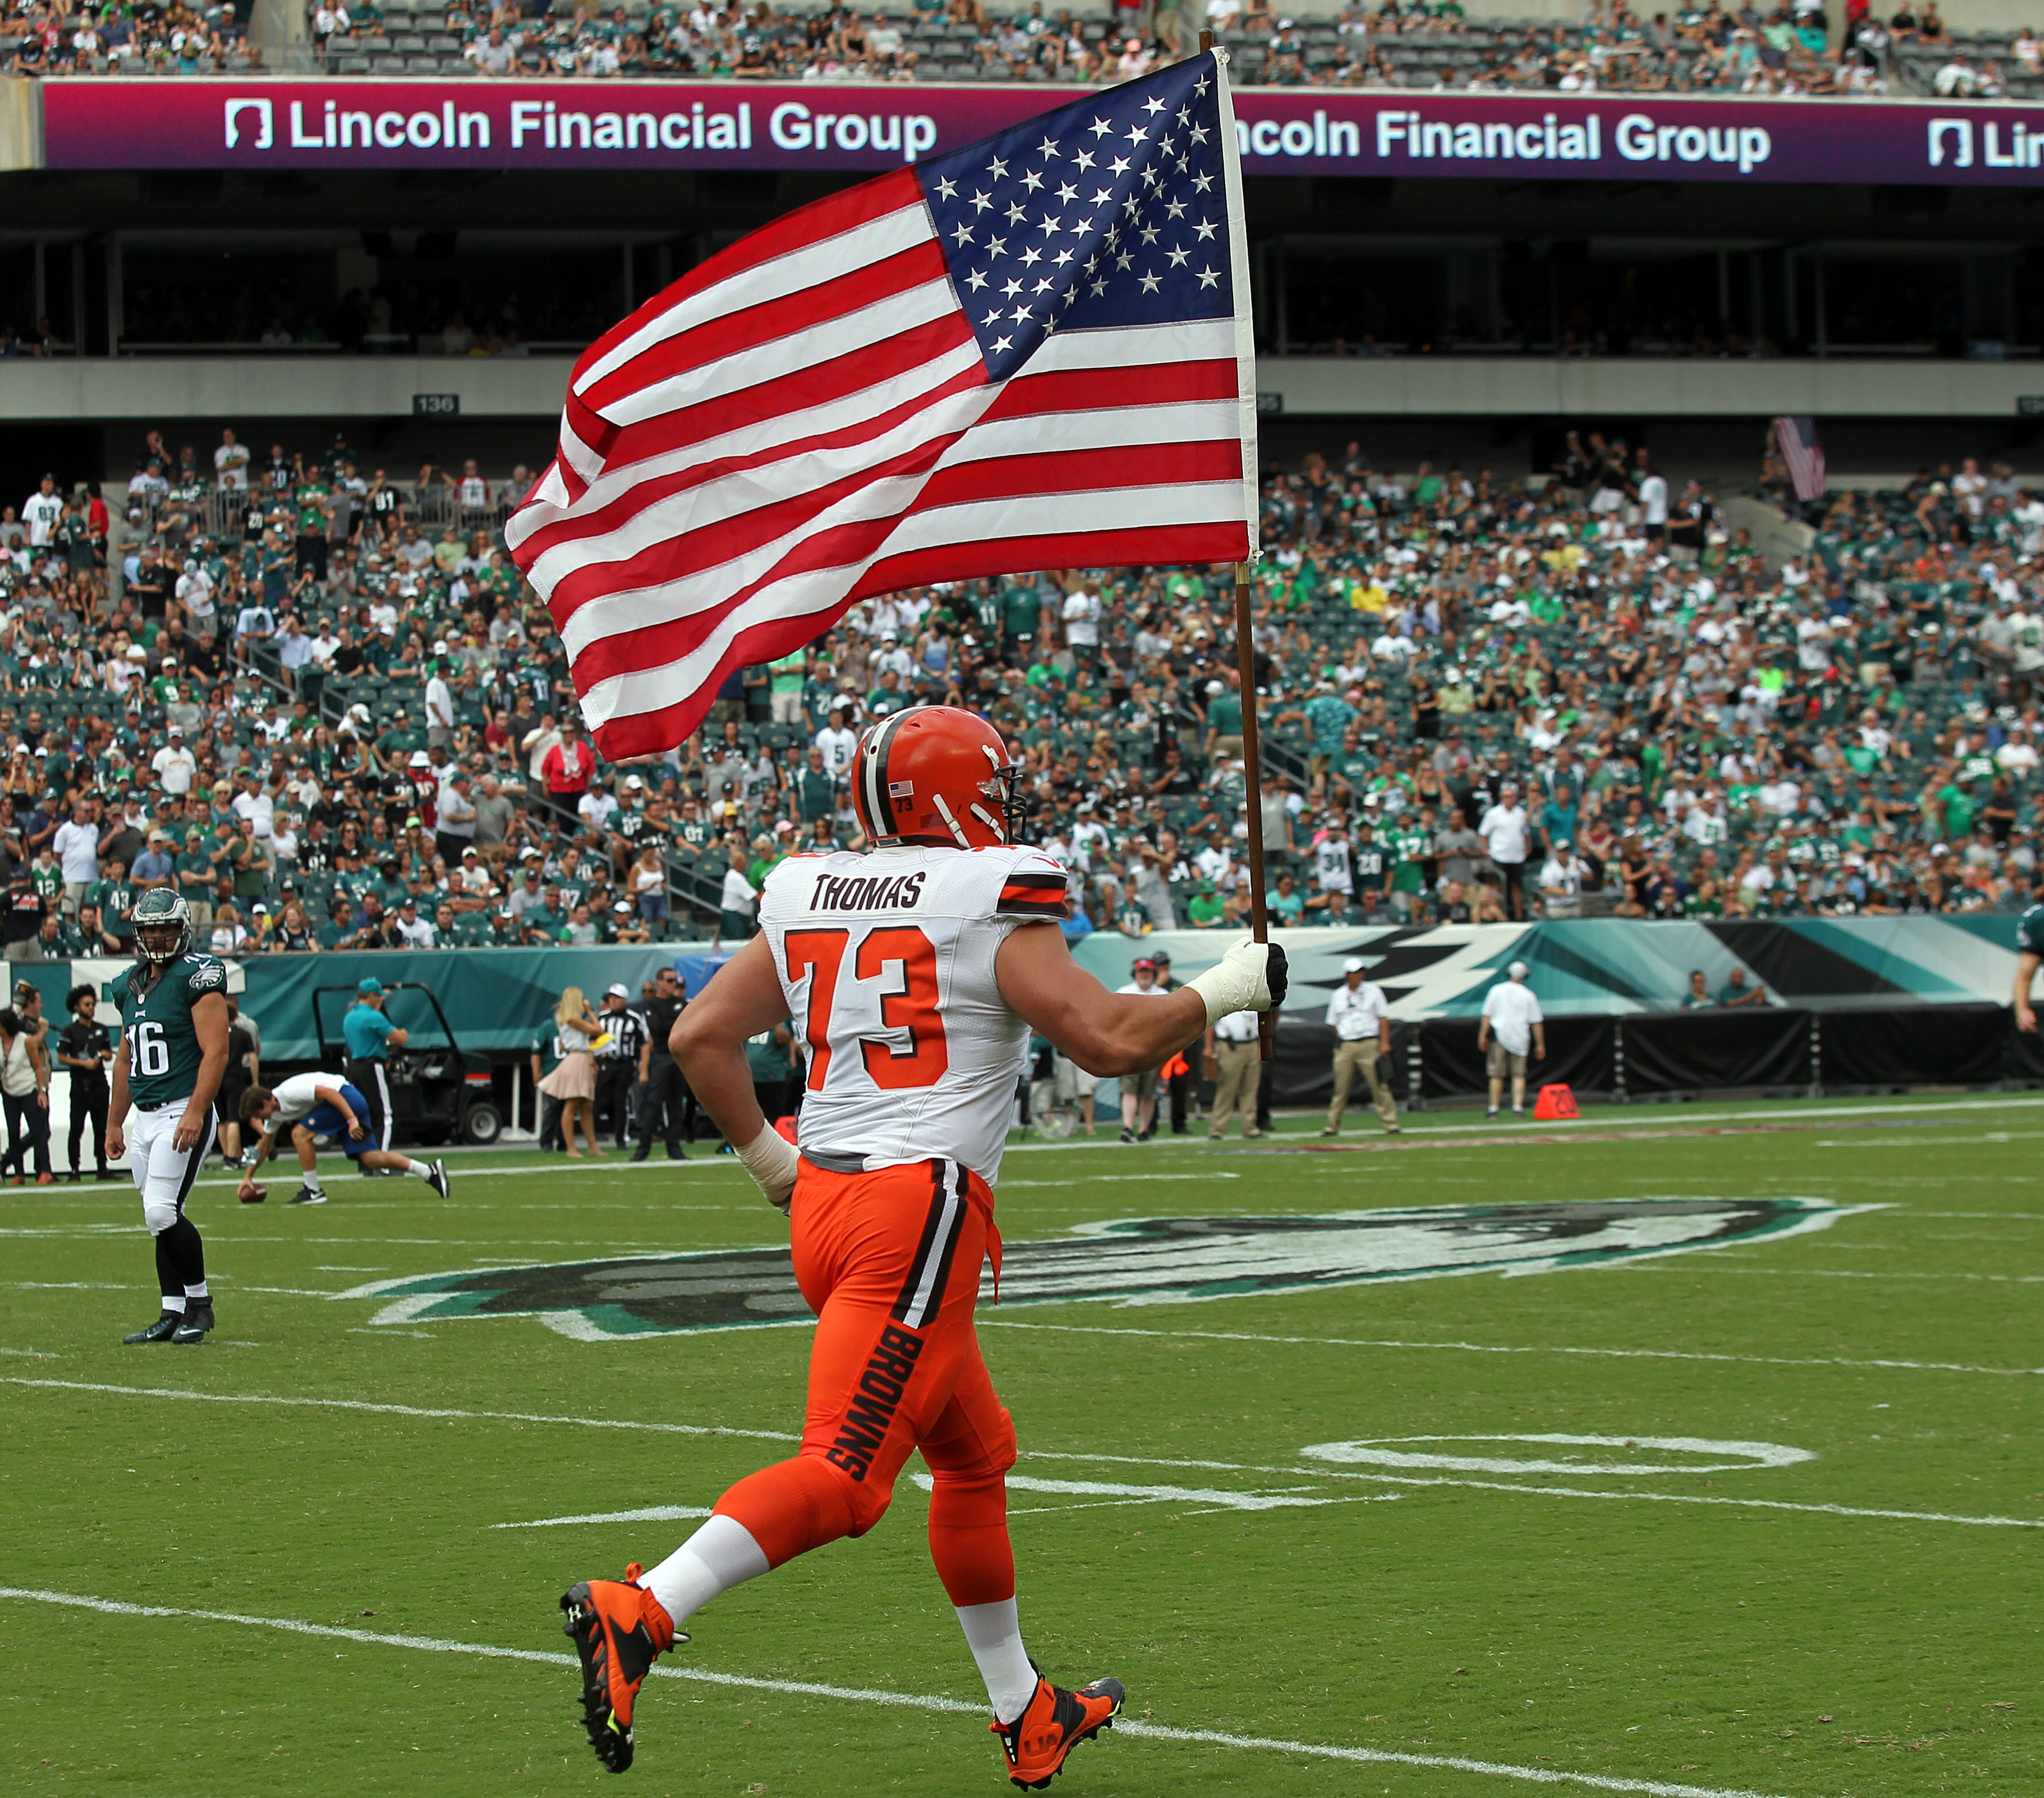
(617, 1062)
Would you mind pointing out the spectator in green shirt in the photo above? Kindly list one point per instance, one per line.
(250, 862)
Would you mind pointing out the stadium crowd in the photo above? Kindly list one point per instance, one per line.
(1711, 47)
(323, 706)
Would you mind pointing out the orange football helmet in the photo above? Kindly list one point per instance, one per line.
(937, 774)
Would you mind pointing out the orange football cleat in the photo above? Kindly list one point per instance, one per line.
(1052, 1724)
(618, 1628)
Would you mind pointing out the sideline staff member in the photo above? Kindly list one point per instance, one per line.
(1513, 1024)
(369, 1037)
(662, 1091)
(617, 1064)
(1361, 1019)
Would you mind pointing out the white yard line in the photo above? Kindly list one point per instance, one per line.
(653, 1514)
(1035, 1454)
(1697, 1266)
(986, 1322)
(1549, 1492)
(806, 1688)
(396, 1410)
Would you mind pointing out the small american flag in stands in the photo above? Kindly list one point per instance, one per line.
(1804, 455)
(1033, 353)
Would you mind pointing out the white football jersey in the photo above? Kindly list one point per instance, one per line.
(887, 961)
(296, 1097)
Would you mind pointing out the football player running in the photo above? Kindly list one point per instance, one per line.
(173, 1007)
(914, 973)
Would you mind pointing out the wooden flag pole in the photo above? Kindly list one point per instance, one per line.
(1252, 775)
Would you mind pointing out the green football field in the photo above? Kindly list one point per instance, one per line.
(1717, 1470)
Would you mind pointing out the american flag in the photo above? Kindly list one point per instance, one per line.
(1804, 455)
(1034, 353)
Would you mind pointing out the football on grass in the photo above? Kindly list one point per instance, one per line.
(252, 1193)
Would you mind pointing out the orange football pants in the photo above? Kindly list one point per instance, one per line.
(889, 1262)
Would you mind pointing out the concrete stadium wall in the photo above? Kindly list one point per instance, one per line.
(253, 386)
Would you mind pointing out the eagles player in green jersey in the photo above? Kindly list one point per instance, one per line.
(2029, 955)
(173, 1007)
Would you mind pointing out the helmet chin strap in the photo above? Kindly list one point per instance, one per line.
(987, 818)
(944, 812)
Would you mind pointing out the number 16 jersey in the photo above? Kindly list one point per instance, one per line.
(887, 962)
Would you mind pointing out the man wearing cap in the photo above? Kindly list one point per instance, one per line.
(1180, 1084)
(175, 766)
(1233, 1047)
(1360, 1017)
(454, 819)
(617, 1062)
(369, 1037)
(1512, 1026)
(663, 1094)
(1139, 1091)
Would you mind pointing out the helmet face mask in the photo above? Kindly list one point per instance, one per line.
(163, 926)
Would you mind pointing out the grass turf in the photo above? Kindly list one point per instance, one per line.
(1490, 1617)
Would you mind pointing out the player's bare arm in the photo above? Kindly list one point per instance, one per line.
(1106, 1033)
(209, 1016)
(116, 1111)
(2026, 965)
(708, 1041)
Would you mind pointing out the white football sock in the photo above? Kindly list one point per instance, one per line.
(994, 1633)
(420, 1168)
(198, 1291)
(721, 1554)
(174, 1304)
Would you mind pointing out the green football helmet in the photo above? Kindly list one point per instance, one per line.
(162, 925)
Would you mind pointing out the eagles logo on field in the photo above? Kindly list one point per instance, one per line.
(1147, 1260)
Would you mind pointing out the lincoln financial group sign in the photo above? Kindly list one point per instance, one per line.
(663, 124)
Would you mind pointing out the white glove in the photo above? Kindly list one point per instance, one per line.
(1249, 978)
(771, 1158)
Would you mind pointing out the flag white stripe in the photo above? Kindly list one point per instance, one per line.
(1198, 339)
(1055, 514)
(826, 259)
(619, 612)
(736, 496)
(806, 347)
(1173, 421)
(792, 429)
(803, 594)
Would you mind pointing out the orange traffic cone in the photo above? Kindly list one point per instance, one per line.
(1554, 1101)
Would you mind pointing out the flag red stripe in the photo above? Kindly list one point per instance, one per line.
(734, 333)
(634, 499)
(1132, 548)
(831, 216)
(1080, 390)
(1007, 477)
(648, 733)
(676, 558)
(798, 391)
(1046, 472)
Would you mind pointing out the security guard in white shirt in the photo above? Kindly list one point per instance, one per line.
(1361, 1018)
(1232, 1046)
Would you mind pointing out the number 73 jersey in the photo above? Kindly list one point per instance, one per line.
(157, 1032)
(887, 962)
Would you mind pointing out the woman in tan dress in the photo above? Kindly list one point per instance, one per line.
(574, 1081)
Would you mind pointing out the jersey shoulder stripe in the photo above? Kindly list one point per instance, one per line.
(1032, 895)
